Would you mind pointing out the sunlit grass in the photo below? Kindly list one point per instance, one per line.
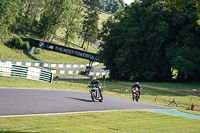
(115, 121)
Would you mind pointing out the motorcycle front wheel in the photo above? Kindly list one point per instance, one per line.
(138, 97)
(133, 96)
(92, 96)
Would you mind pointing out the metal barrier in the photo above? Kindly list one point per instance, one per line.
(44, 63)
(19, 71)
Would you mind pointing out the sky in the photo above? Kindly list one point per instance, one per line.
(128, 1)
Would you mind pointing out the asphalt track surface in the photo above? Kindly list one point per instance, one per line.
(24, 101)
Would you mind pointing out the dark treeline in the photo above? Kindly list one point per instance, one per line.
(148, 40)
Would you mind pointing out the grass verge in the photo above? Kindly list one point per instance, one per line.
(115, 121)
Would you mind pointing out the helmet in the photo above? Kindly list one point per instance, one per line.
(137, 83)
(94, 78)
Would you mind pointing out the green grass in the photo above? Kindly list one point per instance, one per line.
(7, 52)
(174, 85)
(102, 18)
(19, 82)
(115, 121)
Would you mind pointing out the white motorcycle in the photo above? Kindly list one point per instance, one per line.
(96, 93)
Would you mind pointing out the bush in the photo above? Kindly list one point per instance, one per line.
(17, 42)
(26, 45)
(37, 51)
(14, 41)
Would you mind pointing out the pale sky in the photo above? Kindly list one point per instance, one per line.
(128, 1)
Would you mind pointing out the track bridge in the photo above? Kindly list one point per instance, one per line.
(65, 50)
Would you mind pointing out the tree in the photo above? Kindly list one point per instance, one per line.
(9, 11)
(51, 17)
(185, 52)
(56, 14)
(136, 42)
(145, 42)
(27, 20)
(90, 23)
(181, 5)
(73, 20)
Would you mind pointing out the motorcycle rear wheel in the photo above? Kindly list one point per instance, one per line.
(101, 100)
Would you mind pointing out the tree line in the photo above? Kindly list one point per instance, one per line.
(150, 39)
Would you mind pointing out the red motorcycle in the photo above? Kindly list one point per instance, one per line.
(135, 94)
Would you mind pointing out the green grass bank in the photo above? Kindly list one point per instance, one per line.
(115, 121)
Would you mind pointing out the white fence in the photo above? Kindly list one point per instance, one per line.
(19, 71)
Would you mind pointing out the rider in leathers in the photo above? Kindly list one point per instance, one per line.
(96, 82)
(138, 86)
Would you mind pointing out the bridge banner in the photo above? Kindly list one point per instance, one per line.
(62, 49)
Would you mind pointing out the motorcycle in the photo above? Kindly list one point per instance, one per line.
(135, 93)
(96, 93)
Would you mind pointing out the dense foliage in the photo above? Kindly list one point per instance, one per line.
(90, 23)
(147, 41)
(108, 5)
(18, 43)
(41, 18)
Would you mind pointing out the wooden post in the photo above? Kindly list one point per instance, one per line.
(71, 82)
(57, 79)
(87, 85)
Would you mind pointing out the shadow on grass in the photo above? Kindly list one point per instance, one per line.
(31, 57)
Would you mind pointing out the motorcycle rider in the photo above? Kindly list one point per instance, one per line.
(96, 90)
(95, 82)
(138, 86)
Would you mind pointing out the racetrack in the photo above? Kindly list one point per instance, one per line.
(24, 101)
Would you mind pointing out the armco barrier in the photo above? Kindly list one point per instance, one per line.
(44, 64)
(12, 70)
(79, 72)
